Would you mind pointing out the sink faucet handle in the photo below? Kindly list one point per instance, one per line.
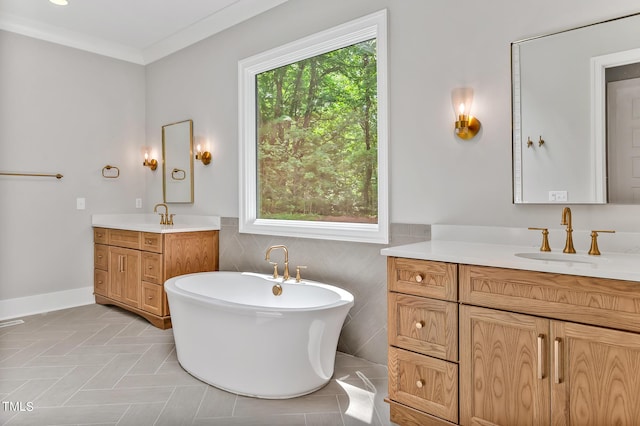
(594, 251)
(298, 277)
(170, 219)
(545, 238)
(163, 220)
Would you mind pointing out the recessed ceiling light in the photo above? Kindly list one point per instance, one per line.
(60, 2)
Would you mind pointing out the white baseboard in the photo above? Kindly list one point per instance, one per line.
(40, 303)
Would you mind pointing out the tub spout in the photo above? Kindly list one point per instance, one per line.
(286, 260)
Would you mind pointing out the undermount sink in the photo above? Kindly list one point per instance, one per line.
(558, 257)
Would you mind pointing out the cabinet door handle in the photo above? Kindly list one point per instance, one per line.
(556, 360)
(540, 356)
(419, 278)
(420, 384)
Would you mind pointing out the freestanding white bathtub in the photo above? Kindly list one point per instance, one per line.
(233, 333)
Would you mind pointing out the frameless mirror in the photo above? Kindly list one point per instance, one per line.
(177, 162)
(576, 115)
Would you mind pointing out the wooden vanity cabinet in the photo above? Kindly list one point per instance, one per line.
(130, 267)
(423, 342)
(540, 365)
(535, 348)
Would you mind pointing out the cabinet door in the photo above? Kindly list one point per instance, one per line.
(504, 368)
(124, 275)
(596, 379)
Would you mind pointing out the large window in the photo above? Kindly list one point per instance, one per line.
(313, 130)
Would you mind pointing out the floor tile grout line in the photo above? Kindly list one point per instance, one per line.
(85, 383)
(165, 406)
(39, 354)
(340, 410)
(235, 403)
(165, 358)
(200, 404)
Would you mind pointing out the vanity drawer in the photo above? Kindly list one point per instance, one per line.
(101, 256)
(423, 278)
(424, 325)
(122, 238)
(152, 242)
(100, 281)
(598, 301)
(152, 267)
(424, 383)
(100, 236)
(152, 295)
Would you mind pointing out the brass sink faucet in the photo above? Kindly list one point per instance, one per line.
(164, 217)
(286, 261)
(566, 220)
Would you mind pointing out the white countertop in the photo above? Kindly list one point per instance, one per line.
(151, 223)
(623, 266)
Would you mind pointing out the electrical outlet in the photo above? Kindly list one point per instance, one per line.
(558, 196)
(138, 203)
(80, 204)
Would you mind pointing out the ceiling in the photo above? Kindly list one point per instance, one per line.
(139, 31)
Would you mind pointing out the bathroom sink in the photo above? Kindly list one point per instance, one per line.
(557, 257)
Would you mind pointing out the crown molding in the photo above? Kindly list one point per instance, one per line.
(213, 24)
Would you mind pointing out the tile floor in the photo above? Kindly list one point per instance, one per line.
(101, 365)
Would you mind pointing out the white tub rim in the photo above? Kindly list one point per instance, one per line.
(345, 297)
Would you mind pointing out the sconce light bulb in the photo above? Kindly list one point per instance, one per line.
(198, 148)
(146, 156)
(461, 108)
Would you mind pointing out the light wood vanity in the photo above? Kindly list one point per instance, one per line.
(130, 267)
(485, 345)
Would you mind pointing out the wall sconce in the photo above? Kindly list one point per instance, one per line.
(152, 164)
(466, 125)
(204, 156)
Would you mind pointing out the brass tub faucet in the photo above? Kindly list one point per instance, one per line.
(286, 261)
(566, 220)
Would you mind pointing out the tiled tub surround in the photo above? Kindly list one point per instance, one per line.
(357, 267)
(102, 365)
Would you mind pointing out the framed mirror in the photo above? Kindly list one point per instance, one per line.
(576, 115)
(177, 162)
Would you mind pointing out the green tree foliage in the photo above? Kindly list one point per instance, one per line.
(317, 137)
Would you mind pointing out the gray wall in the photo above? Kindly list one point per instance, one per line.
(64, 111)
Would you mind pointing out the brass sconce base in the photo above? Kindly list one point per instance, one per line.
(152, 164)
(205, 157)
(467, 129)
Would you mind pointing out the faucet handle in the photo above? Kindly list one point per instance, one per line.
(275, 269)
(594, 251)
(163, 220)
(545, 238)
(298, 277)
(170, 219)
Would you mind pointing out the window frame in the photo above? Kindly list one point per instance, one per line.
(358, 30)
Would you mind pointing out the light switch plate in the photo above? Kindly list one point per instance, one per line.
(138, 203)
(80, 203)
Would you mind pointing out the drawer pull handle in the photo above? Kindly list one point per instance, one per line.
(99, 256)
(556, 359)
(99, 282)
(420, 383)
(419, 278)
(540, 356)
(419, 324)
(150, 297)
(150, 267)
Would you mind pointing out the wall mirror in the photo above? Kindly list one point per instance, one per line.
(576, 115)
(177, 162)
